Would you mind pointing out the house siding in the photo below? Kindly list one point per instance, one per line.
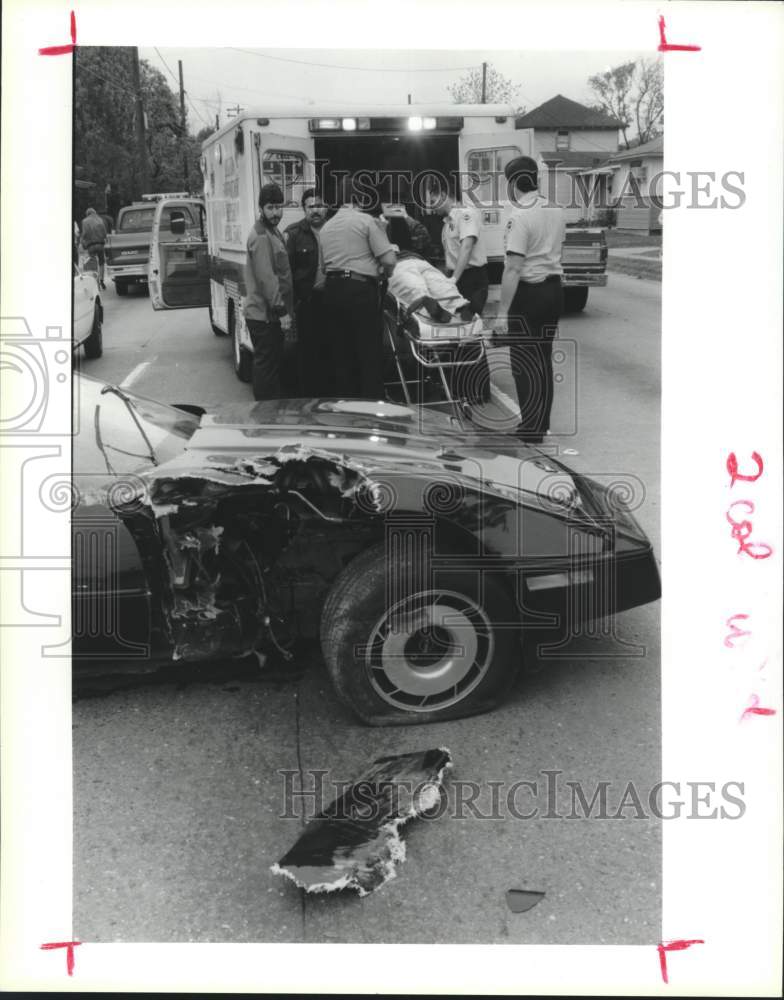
(653, 166)
(592, 140)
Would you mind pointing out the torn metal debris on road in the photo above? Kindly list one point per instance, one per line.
(354, 843)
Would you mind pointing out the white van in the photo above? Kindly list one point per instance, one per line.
(403, 147)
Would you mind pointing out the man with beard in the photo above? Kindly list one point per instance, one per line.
(268, 305)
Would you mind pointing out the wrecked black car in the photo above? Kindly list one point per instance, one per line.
(421, 554)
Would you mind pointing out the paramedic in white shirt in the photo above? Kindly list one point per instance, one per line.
(531, 295)
(464, 248)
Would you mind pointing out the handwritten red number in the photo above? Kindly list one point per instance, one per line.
(732, 468)
(69, 951)
(735, 632)
(741, 531)
(754, 708)
(666, 946)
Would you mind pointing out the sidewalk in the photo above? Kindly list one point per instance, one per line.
(641, 262)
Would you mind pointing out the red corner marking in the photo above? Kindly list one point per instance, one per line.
(666, 946)
(62, 50)
(69, 954)
(664, 45)
(755, 708)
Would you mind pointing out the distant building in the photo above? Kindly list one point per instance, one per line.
(568, 139)
(629, 179)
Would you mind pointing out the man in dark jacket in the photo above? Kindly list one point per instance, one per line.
(268, 304)
(302, 242)
(93, 239)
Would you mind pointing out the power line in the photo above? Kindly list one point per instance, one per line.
(187, 96)
(363, 69)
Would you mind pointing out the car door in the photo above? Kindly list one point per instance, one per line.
(179, 271)
(83, 305)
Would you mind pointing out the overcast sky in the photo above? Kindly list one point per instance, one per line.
(362, 76)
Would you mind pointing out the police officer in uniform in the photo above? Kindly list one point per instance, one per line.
(355, 252)
(531, 295)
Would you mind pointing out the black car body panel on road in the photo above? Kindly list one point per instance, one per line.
(420, 552)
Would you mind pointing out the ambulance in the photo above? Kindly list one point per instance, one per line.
(400, 152)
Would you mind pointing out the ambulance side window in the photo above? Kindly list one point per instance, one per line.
(286, 169)
(488, 166)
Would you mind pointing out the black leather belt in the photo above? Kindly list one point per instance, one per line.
(352, 275)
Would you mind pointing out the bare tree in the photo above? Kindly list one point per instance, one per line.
(634, 93)
(498, 89)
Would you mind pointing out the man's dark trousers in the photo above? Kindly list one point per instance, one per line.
(533, 323)
(267, 340)
(474, 285)
(353, 314)
(314, 358)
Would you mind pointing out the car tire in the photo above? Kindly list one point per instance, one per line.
(215, 329)
(243, 359)
(462, 664)
(575, 299)
(121, 287)
(93, 345)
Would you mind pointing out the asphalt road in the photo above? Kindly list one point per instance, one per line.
(180, 806)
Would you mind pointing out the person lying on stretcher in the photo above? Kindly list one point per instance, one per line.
(415, 280)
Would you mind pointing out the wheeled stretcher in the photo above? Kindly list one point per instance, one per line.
(422, 353)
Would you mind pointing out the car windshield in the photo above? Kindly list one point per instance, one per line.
(121, 432)
(136, 221)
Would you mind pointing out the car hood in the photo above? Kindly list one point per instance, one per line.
(374, 438)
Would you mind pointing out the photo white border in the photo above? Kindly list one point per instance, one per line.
(722, 392)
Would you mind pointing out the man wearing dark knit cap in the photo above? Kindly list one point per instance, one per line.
(531, 297)
(269, 304)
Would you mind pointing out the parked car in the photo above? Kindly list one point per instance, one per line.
(87, 313)
(422, 556)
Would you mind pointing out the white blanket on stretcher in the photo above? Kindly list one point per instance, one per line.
(413, 278)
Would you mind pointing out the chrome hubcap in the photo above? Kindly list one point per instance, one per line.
(429, 651)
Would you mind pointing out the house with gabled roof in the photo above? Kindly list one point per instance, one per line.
(567, 139)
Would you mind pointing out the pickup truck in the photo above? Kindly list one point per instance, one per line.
(128, 247)
(584, 262)
(583, 258)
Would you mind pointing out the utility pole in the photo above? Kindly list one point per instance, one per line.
(141, 143)
(484, 83)
(235, 110)
(183, 134)
(409, 98)
(217, 122)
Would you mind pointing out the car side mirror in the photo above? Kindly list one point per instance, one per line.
(177, 224)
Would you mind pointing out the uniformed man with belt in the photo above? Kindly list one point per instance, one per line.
(531, 296)
(355, 252)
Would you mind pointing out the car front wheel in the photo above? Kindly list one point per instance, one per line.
(441, 648)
